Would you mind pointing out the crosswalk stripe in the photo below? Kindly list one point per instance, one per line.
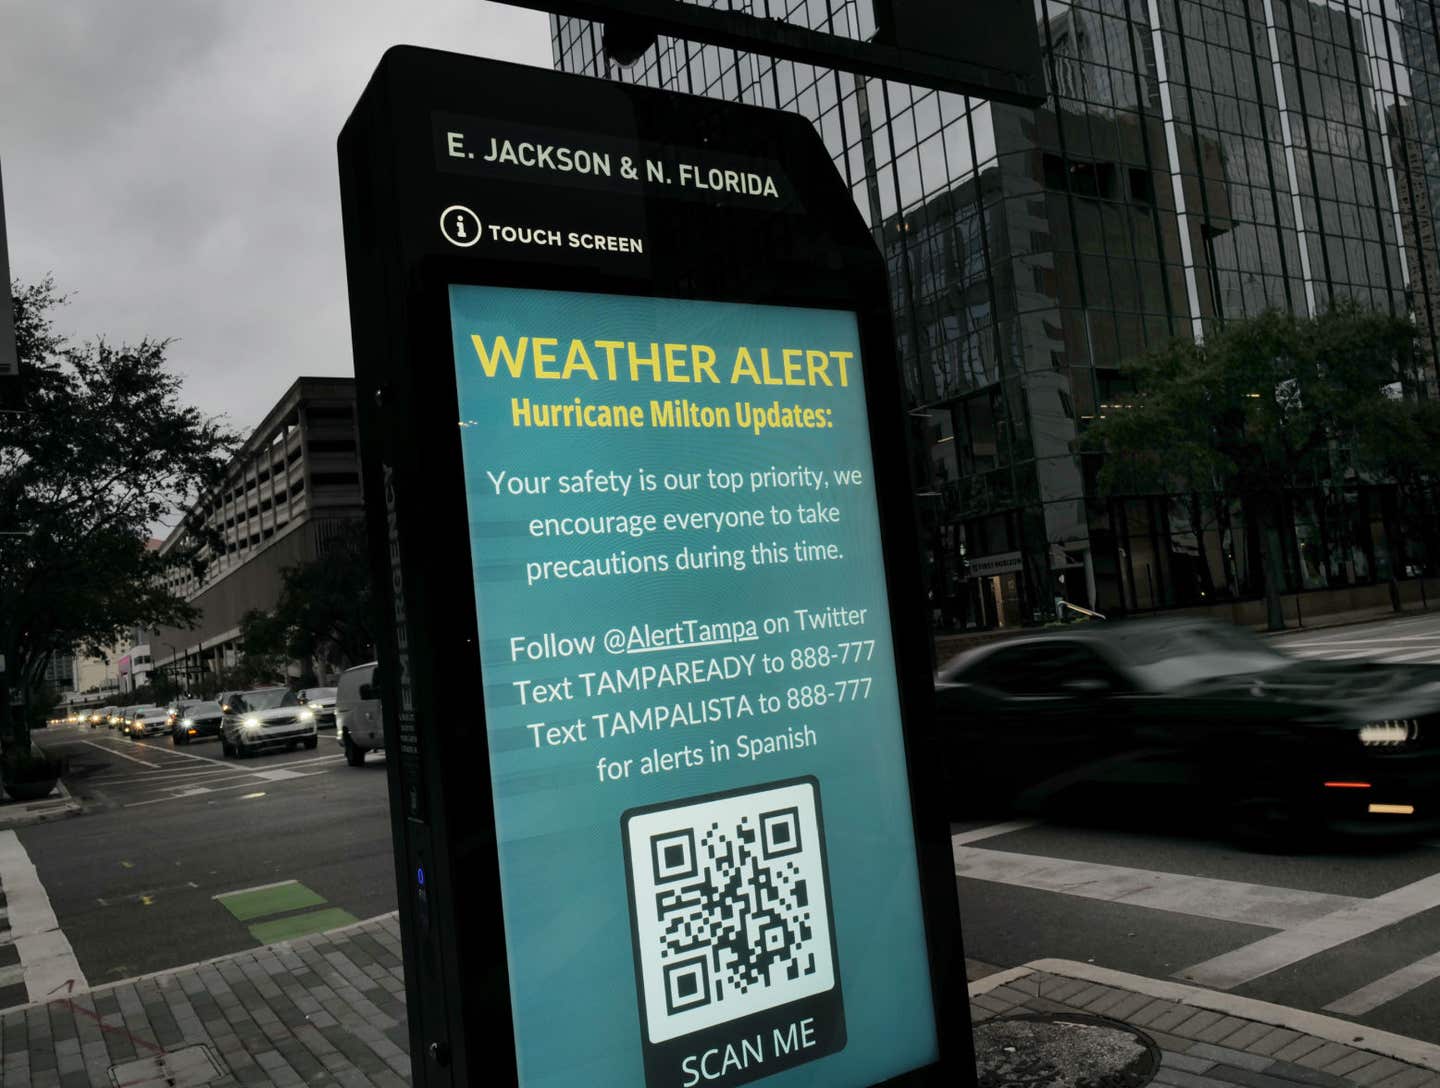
(961, 838)
(1200, 897)
(46, 957)
(1332, 655)
(1384, 990)
(1260, 958)
(1358, 641)
(1432, 654)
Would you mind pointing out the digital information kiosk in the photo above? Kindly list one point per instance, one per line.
(654, 667)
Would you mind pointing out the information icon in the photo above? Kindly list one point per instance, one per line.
(460, 226)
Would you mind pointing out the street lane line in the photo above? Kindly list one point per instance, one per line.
(1199, 897)
(198, 772)
(45, 951)
(1260, 958)
(1383, 990)
(209, 789)
(218, 771)
(961, 838)
(256, 888)
(122, 755)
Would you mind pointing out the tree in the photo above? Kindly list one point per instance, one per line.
(325, 612)
(1261, 406)
(103, 450)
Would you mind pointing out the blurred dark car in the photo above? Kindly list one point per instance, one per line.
(322, 702)
(196, 721)
(1161, 720)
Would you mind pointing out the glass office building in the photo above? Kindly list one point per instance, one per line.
(1196, 160)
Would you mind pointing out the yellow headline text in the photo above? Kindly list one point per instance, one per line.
(548, 358)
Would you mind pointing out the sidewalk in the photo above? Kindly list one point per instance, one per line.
(1209, 1039)
(322, 1010)
(330, 1010)
(59, 804)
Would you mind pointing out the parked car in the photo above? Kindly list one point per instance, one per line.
(1163, 718)
(322, 702)
(266, 718)
(149, 720)
(358, 724)
(196, 721)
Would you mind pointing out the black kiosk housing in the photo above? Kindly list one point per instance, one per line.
(400, 174)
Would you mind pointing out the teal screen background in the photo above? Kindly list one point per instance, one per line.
(567, 924)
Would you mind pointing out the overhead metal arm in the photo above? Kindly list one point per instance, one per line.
(985, 50)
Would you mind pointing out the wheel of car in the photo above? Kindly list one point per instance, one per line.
(354, 754)
(311, 742)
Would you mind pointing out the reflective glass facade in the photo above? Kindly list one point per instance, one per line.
(1197, 160)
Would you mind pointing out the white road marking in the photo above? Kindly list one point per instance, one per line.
(196, 791)
(1329, 655)
(122, 755)
(1365, 916)
(220, 770)
(45, 953)
(1396, 984)
(191, 755)
(1198, 897)
(1418, 655)
(961, 838)
(257, 888)
(279, 774)
(198, 772)
(1361, 641)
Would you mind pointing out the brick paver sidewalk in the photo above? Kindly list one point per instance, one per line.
(1209, 1039)
(327, 1009)
(330, 1010)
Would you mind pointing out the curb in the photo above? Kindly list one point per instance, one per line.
(1331, 1029)
(166, 972)
(66, 805)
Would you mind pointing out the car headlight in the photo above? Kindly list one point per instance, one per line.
(1390, 733)
(187, 722)
(307, 715)
(252, 723)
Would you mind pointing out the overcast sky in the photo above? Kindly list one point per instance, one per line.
(172, 164)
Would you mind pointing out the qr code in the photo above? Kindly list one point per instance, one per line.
(731, 906)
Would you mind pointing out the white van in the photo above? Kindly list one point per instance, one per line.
(358, 725)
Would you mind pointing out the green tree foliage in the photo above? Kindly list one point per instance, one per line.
(325, 613)
(103, 449)
(1266, 404)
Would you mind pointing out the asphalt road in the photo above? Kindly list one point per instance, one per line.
(1353, 931)
(133, 879)
(1356, 932)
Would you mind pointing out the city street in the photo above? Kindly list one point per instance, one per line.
(134, 880)
(1352, 933)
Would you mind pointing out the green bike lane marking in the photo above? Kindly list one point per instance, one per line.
(283, 898)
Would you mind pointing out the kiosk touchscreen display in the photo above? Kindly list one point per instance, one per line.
(707, 860)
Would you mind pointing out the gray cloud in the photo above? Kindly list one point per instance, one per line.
(172, 163)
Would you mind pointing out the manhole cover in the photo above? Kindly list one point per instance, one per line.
(1063, 1050)
(188, 1067)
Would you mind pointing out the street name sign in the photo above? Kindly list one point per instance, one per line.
(654, 661)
